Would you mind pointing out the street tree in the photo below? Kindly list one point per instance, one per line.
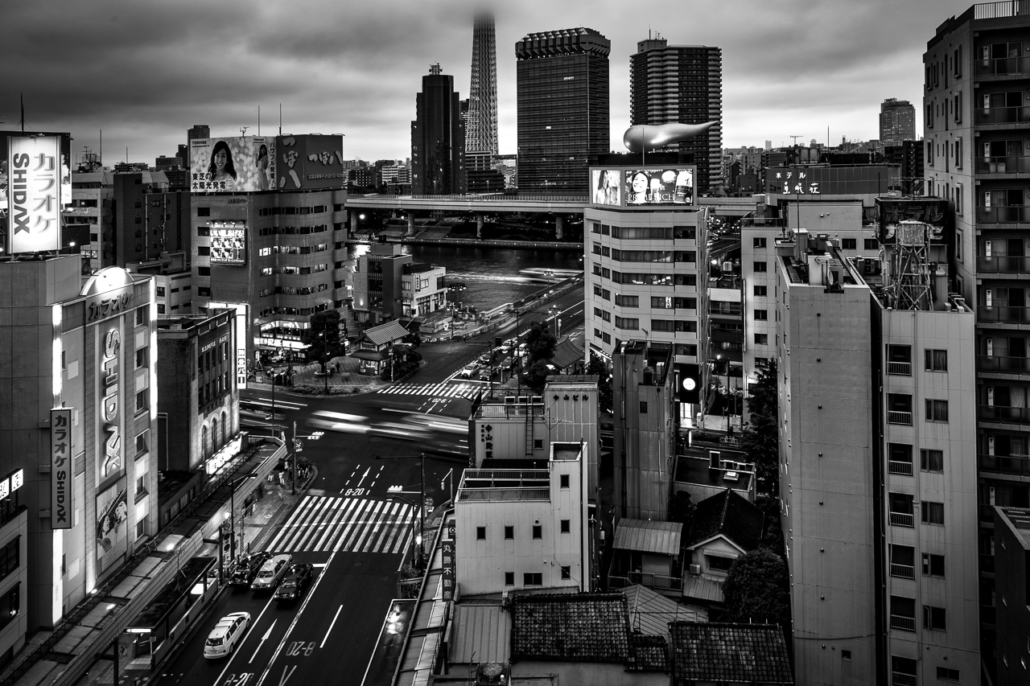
(757, 589)
(759, 438)
(323, 336)
(540, 342)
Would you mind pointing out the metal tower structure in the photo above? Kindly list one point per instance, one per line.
(907, 284)
(481, 122)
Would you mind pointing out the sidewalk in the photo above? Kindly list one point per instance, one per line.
(346, 381)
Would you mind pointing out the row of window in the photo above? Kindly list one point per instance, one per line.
(903, 615)
(657, 302)
(904, 672)
(10, 557)
(903, 562)
(899, 409)
(656, 256)
(899, 360)
(537, 531)
(899, 457)
(535, 578)
(644, 232)
(901, 507)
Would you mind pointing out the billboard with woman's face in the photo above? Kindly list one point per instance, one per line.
(241, 164)
(606, 186)
(659, 186)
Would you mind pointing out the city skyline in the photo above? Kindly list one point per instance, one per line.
(153, 72)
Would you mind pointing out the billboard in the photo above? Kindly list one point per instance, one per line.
(228, 243)
(310, 162)
(61, 468)
(35, 179)
(241, 164)
(893, 211)
(659, 186)
(606, 186)
(865, 179)
(6, 137)
(112, 524)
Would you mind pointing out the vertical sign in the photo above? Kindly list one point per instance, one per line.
(448, 580)
(60, 468)
(34, 193)
(109, 402)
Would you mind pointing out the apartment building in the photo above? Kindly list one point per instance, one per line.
(388, 284)
(878, 493)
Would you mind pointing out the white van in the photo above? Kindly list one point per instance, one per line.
(271, 573)
(226, 635)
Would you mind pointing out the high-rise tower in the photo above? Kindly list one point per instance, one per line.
(681, 84)
(481, 123)
(897, 121)
(437, 138)
(563, 108)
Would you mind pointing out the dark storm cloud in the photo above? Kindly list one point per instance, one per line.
(145, 72)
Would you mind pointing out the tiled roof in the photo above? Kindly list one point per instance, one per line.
(729, 514)
(703, 587)
(586, 627)
(734, 653)
(650, 653)
(482, 633)
(566, 354)
(385, 333)
(650, 612)
(648, 537)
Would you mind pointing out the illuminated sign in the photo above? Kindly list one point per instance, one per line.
(865, 179)
(606, 186)
(110, 461)
(659, 186)
(228, 243)
(310, 162)
(60, 469)
(232, 165)
(110, 304)
(17, 480)
(241, 338)
(34, 181)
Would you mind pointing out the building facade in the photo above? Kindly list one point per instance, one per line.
(897, 121)
(681, 84)
(150, 218)
(437, 138)
(1012, 554)
(562, 108)
(481, 121)
(92, 203)
(388, 285)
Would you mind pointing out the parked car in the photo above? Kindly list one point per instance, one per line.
(271, 573)
(484, 358)
(295, 582)
(468, 372)
(246, 568)
(485, 373)
(226, 635)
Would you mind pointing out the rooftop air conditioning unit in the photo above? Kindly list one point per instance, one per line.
(694, 569)
(731, 476)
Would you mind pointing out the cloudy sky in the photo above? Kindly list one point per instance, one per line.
(144, 72)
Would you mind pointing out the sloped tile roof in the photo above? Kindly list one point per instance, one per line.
(729, 514)
(586, 627)
(650, 612)
(650, 653)
(648, 537)
(384, 333)
(566, 354)
(734, 653)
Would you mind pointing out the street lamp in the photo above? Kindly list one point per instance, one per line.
(422, 496)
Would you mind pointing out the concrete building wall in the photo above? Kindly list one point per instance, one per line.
(1012, 561)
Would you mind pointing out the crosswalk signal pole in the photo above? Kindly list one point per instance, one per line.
(293, 442)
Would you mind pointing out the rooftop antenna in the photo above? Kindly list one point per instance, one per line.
(243, 131)
(22, 95)
(259, 120)
(280, 119)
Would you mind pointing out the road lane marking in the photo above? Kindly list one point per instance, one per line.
(264, 638)
(287, 673)
(331, 625)
(242, 641)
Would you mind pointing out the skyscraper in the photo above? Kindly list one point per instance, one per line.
(897, 121)
(437, 138)
(681, 84)
(562, 108)
(481, 122)
(195, 132)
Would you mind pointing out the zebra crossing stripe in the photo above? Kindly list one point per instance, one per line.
(339, 515)
(354, 505)
(373, 540)
(301, 530)
(399, 526)
(363, 532)
(340, 542)
(287, 528)
(318, 527)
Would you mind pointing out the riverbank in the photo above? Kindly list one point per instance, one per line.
(475, 243)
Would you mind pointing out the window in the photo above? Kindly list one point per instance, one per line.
(628, 324)
(205, 250)
(538, 532)
(141, 528)
(628, 300)
(903, 671)
(899, 360)
(564, 481)
(903, 561)
(760, 267)
(141, 487)
(480, 533)
(509, 578)
(142, 400)
(761, 315)
(142, 357)
(566, 573)
(10, 557)
(947, 674)
(718, 564)
(761, 339)
(958, 149)
(643, 407)
(203, 271)
(538, 444)
(566, 526)
(142, 315)
(142, 441)
(532, 579)
(509, 533)
(899, 459)
(203, 211)
(936, 360)
(10, 605)
(160, 309)
(932, 513)
(937, 410)
(761, 291)
(901, 509)
(870, 244)
(934, 618)
(845, 655)
(933, 565)
(849, 243)
(759, 242)
(931, 460)
(903, 613)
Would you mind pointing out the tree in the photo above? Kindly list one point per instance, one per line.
(403, 360)
(757, 589)
(760, 439)
(323, 336)
(536, 375)
(598, 368)
(681, 509)
(540, 342)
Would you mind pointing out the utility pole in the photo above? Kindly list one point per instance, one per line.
(293, 442)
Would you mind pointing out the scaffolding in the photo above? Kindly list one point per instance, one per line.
(907, 282)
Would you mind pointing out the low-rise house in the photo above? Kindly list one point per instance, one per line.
(376, 344)
(725, 527)
(648, 553)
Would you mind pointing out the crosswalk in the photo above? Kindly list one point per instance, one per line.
(436, 390)
(357, 525)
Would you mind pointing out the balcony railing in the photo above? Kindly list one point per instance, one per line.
(1007, 464)
(1010, 164)
(999, 10)
(903, 418)
(1003, 314)
(906, 519)
(1002, 66)
(1003, 264)
(902, 468)
(903, 624)
(1004, 414)
(903, 679)
(1003, 214)
(1002, 115)
(899, 368)
(657, 581)
(903, 571)
(991, 363)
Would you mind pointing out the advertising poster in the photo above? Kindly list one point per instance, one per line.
(34, 182)
(606, 186)
(664, 186)
(242, 164)
(60, 468)
(228, 243)
(112, 524)
(310, 162)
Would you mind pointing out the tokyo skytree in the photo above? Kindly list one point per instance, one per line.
(481, 122)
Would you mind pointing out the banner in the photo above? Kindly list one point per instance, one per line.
(60, 468)
(34, 183)
(660, 186)
(241, 164)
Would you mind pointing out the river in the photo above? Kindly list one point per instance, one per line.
(492, 276)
